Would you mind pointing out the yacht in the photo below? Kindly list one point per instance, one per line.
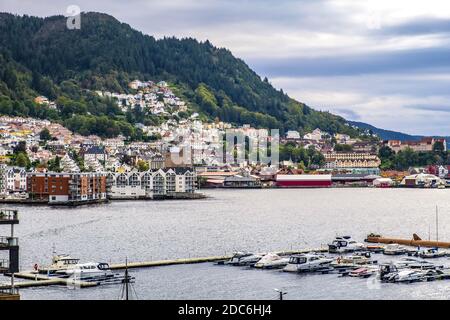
(390, 273)
(59, 263)
(90, 271)
(307, 262)
(344, 244)
(244, 259)
(430, 253)
(272, 261)
(351, 261)
(394, 249)
(415, 263)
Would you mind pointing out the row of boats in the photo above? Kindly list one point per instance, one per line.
(64, 266)
(353, 259)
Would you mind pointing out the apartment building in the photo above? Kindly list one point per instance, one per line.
(66, 187)
(153, 182)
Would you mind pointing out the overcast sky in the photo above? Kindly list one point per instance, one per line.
(385, 62)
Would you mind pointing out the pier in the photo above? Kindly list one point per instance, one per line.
(39, 280)
(161, 263)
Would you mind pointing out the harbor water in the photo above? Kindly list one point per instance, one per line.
(232, 220)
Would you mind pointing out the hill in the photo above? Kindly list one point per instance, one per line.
(40, 56)
(392, 135)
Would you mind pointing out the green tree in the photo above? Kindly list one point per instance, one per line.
(45, 135)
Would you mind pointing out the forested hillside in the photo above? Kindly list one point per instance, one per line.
(42, 57)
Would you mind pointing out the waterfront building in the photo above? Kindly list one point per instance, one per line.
(9, 243)
(303, 180)
(54, 187)
(12, 180)
(337, 160)
(137, 185)
(239, 181)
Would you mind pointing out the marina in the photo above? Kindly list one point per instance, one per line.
(223, 224)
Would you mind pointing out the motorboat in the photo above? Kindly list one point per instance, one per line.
(390, 273)
(351, 261)
(394, 249)
(344, 244)
(91, 272)
(408, 275)
(59, 263)
(430, 253)
(364, 272)
(272, 261)
(415, 263)
(307, 262)
(244, 259)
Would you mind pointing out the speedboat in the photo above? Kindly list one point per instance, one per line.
(394, 249)
(430, 253)
(408, 275)
(390, 273)
(90, 271)
(307, 263)
(364, 272)
(59, 263)
(272, 261)
(415, 263)
(244, 259)
(351, 261)
(344, 244)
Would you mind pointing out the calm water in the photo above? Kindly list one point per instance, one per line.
(255, 220)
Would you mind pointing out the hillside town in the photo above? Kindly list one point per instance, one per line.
(42, 161)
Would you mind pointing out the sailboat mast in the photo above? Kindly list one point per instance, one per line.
(126, 279)
(437, 225)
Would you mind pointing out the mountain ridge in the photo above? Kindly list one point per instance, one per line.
(43, 57)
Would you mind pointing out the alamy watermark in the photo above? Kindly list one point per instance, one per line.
(73, 14)
(234, 146)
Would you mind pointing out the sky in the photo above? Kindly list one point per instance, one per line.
(384, 62)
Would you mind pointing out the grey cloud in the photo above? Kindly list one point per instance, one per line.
(430, 107)
(357, 64)
(417, 26)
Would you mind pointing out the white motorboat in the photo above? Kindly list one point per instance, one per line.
(351, 261)
(390, 273)
(415, 263)
(244, 259)
(431, 253)
(394, 249)
(272, 261)
(344, 244)
(307, 263)
(90, 271)
(59, 263)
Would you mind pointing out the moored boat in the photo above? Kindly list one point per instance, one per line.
(307, 263)
(272, 261)
(344, 244)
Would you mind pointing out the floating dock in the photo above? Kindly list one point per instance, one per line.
(416, 241)
(39, 280)
(161, 263)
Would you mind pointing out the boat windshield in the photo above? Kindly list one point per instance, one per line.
(103, 266)
(338, 243)
(297, 260)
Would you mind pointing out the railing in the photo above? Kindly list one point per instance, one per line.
(4, 265)
(8, 215)
(8, 290)
(9, 242)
